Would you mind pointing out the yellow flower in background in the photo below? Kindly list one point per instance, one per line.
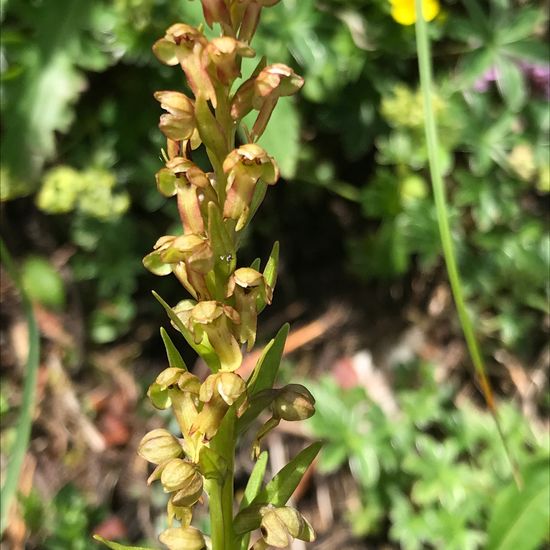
(404, 11)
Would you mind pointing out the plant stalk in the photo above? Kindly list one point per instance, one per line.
(426, 84)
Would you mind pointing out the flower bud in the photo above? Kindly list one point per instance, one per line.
(158, 391)
(159, 446)
(215, 11)
(186, 45)
(228, 385)
(294, 402)
(217, 322)
(183, 538)
(248, 286)
(179, 124)
(183, 514)
(225, 53)
(273, 82)
(280, 525)
(218, 392)
(184, 477)
(244, 167)
(251, 17)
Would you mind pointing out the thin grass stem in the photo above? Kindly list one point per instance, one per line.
(24, 422)
(426, 84)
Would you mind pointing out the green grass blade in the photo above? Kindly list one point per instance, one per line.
(255, 480)
(432, 141)
(284, 483)
(174, 357)
(266, 370)
(24, 422)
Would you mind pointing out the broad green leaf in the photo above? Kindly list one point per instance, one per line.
(281, 138)
(117, 546)
(39, 102)
(174, 357)
(284, 483)
(203, 350)
(520, 518)
(42, 282)
(266, 369)
(511, 83)
(255, 480)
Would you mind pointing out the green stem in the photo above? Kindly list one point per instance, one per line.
(29, 396)
(221, 493)
(425, 69)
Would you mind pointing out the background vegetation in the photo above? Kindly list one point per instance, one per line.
(355, 216)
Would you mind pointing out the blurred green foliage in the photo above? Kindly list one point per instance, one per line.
(80, 128)
(65, 523)
(433, 469)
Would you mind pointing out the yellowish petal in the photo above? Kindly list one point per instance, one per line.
(430, 9)
(404, 11)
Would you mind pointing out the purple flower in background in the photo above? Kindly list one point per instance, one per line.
(482, 84)
(538, 74)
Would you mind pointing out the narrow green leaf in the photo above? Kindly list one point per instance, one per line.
(257, 199)
(511, 83)
(529, 50)
(266, 369)
(520, 517)
(270, 271)
(117, 546)
(256, 264)
(270, 274)
(284, 483)
(174, 357)
(256, 405)
(203, 350)
(522, 25)
(24, 422)
(255, 480)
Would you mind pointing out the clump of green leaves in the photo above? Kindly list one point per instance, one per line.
(64, 523)
(433, 469)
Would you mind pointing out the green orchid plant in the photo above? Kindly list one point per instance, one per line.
(220, 317)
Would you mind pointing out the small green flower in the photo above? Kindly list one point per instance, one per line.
(158, 446)
(244, 167)
(280, 525)
(183, 538)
